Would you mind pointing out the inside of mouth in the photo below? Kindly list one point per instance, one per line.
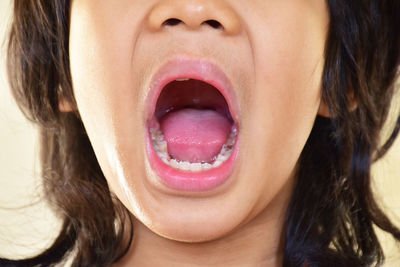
(194, 127)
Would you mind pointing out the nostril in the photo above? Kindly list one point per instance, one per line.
(174, 21)
(171, 22)
(193, 15)
(213, 23)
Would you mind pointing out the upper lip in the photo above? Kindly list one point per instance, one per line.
(199, 69)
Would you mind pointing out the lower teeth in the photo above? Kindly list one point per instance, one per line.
(160, 146)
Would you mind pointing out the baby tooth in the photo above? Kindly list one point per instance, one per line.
(162, 146)
(206, 166)
(234, 130)
(182, 79)
(195, 166)
(185, 165)
(174, 163)
(162, 155)
(217, 163)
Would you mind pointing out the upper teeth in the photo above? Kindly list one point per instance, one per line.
(182, 79)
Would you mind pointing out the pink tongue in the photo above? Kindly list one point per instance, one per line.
(195, 135)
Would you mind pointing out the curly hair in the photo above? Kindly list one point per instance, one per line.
(362, 57)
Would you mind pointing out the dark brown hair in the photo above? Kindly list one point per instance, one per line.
(332, 213)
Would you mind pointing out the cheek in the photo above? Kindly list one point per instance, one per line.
(104, 82)
(283, 105)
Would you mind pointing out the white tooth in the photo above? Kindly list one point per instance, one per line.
(178, 165)
(162, 155)
(157, 149)
(165, 161)
(173, 163)
(217, 163)
(221, 157)
(162, 146)
(152, 130)
(185, 165)
(195, 167)
(206, 166)
(156, 138)
(234, 130)
(226, 151)
(182, 79)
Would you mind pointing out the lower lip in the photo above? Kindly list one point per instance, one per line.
(191, 181)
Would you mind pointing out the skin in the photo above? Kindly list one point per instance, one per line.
(278, 48)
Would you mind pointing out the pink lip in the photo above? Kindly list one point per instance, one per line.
(208, 72)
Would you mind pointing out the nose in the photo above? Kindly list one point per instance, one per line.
(194, 14)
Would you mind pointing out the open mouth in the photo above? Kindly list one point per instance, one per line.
(196, 131)
(192, 132)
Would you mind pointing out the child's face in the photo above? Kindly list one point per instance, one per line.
(271, 52)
